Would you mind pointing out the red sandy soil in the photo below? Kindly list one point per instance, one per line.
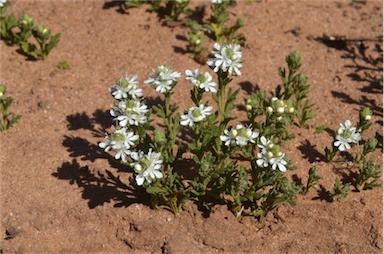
(61, 193)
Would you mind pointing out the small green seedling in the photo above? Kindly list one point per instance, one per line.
(8, 118)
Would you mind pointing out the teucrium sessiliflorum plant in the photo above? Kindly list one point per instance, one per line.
(212, 139)
(215, 138)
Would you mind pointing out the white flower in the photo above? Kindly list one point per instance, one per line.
(229, 137)
(195, 114)
(126, 86)
(342, 143)
(201, 80)
(130, 113)
(271, 155)
(263, 160)
(217, 1)
(264, 144)
(3, 2)
(239, 136)
(278, 162)
(227, 58)
(147, 166)
(120, 142)
(163, 79)
(346, 135)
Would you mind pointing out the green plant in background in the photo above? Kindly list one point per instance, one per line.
(218, 24)
(64, 65)
(347, 137)
(8, 118)
(24, 33)
(214, 141)
(217, 27)
(46, 42)
(171, 10)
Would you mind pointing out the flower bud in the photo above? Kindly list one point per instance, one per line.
(138, 168)
(2, 90)
(269, 109)
(366, 114)
(370, 145)
(280, 110)
(27, 21)
(42, 31)
(248, 107)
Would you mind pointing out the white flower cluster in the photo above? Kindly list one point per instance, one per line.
(271, 155)
(239, 135)
(129, 108)
(227, 58)
(130, 112)
(147, 166)
(195, 115)
(126, 87)
(120, 142)
(163, 79)
(201, 80)
(346, 135)
(280, 106)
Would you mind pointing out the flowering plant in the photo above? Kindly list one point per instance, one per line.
(209, 137)
(345, 138)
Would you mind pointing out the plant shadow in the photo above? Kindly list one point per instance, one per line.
(310, 152)
(97, 187)
(366, 55)
(323, 194)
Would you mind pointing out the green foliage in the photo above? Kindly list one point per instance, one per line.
(217, 25)
(296, 85)
(339, 190)
(24, 33)
(313, 180)
(369, 174)
(168, 192)
(8, 118)
(64, 65)
(287, 103)
(319, 129)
